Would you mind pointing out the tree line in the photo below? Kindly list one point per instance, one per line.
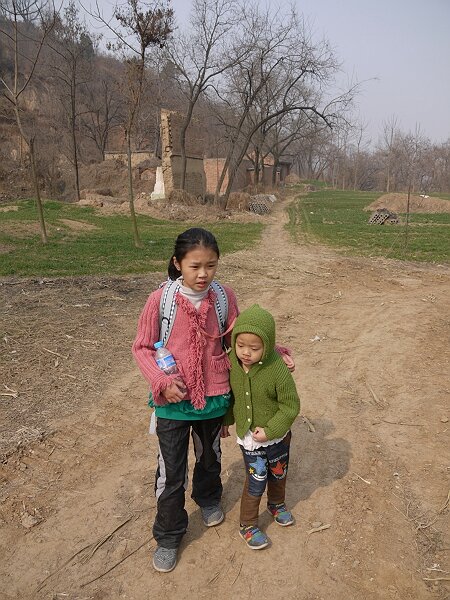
(256, 79)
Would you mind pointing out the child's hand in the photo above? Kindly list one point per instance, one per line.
(259, 435)
(289, 362)
(175, 392)
(224, 433)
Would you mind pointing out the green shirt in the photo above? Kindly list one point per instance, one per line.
(216, 406)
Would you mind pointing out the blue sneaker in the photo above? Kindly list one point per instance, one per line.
(281, 514)
(254, 537)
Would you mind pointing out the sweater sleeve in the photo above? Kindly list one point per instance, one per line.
(143, 349)
(282, 350)
(228, 418)
(288, 404)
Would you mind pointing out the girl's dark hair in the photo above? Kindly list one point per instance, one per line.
(188, 240)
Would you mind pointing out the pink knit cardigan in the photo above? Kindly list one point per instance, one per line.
(201, 360)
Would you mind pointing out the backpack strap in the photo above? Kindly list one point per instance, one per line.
(221, 305)
(168, 308)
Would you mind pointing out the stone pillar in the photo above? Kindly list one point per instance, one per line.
(158, 191)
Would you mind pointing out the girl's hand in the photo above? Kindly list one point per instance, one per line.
(224, 433)
(175, 392)
(289, 362)
(259, 435)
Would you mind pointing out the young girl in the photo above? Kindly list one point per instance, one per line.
(196, 398)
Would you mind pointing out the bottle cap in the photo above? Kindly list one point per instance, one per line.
(158, 345)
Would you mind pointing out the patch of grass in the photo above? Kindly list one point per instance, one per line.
(316, 183)
(337, 218)
(108, 249)
(440, 195)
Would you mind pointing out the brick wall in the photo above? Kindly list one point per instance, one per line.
(213, 168)
(171, 159)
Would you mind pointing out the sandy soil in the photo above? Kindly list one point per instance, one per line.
(417, 204)
(369, 474)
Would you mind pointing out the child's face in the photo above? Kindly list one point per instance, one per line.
(198, 267)
(249, 348)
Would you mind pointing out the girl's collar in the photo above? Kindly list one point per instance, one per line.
(189, 292)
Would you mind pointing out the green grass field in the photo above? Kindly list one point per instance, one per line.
(337, 218)
(106, 249)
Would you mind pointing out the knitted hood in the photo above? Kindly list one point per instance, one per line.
(258, 321)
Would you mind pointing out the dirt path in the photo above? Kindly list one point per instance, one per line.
(370, 463)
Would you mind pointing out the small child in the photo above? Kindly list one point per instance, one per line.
(265, 405)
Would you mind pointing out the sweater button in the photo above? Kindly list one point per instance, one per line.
(248, 407)
(246, 393)
(249, 420)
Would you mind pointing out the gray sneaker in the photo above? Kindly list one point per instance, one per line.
(212, 515)
(165, 559)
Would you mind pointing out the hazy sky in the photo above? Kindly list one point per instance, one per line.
(400, 48)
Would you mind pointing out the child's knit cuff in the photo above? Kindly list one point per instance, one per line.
(159, 384)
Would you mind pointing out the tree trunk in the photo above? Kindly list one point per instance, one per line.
(75, 163)
(274, 171)
(228, 160)
(233, 170)
(355, 175)
(221, 179)
(30, 144)
(231, 176)
(157, 134)
(257, 168)
(183, 146)
(73, 125)
(137, 239)
(37, 192)
(407, 216)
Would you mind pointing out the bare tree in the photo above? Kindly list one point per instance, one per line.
(103, 106)
(311, 156)
(201, 55)
(73, 49)
(282, 133)
(141, 26)
(27, 44)
(440, 166)
(413, 145)
(359, 129)
(27, 11)
(390, 132)
(283, 66)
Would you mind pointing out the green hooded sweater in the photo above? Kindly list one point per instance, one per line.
(266, 396)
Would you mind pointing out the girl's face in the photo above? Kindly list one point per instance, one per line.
(198, 267)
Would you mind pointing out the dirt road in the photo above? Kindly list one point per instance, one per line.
(369, 474)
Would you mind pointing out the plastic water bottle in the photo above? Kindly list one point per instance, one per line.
(165, 360)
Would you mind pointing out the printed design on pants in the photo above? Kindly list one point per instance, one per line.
(258, 469)
(268, 463)
(257, 466)
(279, 470)
(278, 465)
